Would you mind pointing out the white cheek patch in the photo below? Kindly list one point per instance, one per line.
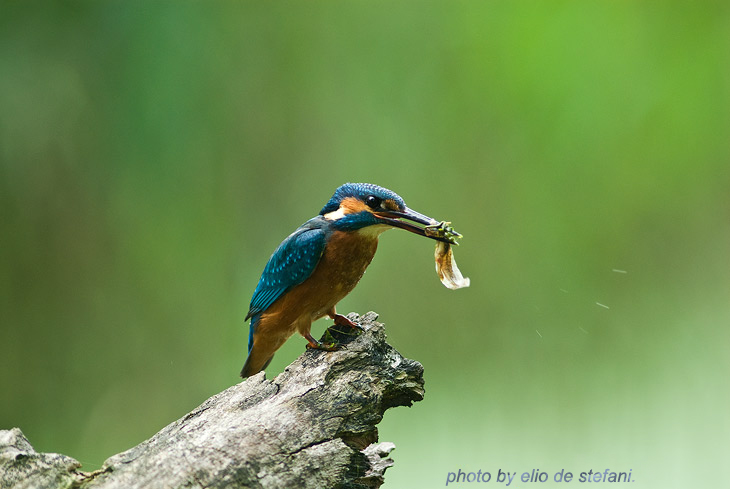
(334, 215)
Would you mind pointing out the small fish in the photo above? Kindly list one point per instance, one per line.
(449, 273)
(446, 268)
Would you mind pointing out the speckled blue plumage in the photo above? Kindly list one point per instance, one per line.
(291, 264)
(360, 191)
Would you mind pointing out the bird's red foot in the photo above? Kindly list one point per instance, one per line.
(341, 320)
(343, 331)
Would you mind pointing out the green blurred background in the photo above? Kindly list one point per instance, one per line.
(152, 157)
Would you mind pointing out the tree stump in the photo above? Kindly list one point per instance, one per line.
(312, 426)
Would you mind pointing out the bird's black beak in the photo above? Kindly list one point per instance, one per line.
(405, 220)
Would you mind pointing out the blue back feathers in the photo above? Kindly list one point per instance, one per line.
(291, 264)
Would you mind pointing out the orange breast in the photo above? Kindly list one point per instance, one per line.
(343, 264)
(345, 258)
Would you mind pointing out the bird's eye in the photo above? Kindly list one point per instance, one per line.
(372, 201)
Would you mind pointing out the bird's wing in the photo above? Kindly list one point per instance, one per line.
(291, 264)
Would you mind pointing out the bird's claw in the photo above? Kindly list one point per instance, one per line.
(313, 344)
(322, 346)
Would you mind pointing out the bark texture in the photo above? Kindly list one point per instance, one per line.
(313, 426)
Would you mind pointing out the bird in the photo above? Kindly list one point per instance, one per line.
(319, 264)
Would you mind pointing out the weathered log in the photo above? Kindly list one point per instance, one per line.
(312, 426)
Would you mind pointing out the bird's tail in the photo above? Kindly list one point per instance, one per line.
(257, 359)
(255, 363)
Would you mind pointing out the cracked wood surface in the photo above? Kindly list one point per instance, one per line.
(312, 426)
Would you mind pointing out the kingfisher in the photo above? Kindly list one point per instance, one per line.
(319, 264)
